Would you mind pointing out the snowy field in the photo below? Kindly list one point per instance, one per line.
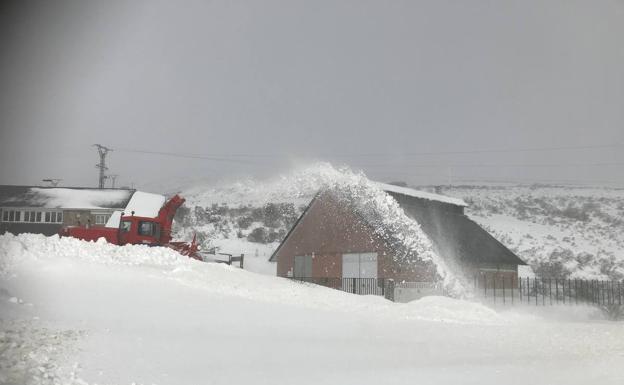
(92, 313)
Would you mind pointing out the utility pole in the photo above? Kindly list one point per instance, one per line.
(102, 150)
(113, 178)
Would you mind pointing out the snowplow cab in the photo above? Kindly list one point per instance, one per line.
(139, 230)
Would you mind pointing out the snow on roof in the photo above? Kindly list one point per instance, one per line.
(143, 204)
(70, 198)
(421, 194)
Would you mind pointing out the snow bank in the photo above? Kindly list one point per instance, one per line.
(97, 313)
(445, 309)
(36, 246)
(223, 280)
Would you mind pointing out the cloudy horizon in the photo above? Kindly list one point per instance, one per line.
(426, 92)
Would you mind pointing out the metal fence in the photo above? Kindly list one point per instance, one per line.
(505, 290)
(363, 286)
(549, 291)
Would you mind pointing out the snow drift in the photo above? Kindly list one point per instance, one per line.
(76, 312)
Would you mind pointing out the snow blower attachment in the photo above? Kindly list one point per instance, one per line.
(136, 230)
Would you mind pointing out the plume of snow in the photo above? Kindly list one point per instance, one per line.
(375, 205)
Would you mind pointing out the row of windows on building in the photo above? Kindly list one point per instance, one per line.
(32, 216)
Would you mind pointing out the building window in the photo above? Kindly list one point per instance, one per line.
(38, 216)
(30, 216)
(52, 217)
(5, 216)
(100, 219)
(359, 265)
(14, 216)
(303, 266)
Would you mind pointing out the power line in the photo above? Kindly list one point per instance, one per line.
(485, 151)
(231, 156)
(495, 165)
(189, 156)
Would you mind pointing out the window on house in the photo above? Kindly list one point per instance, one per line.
(303, 266)
(100, 219)
(50, 217)
(11, 216)
(359, 265)
(5, 216)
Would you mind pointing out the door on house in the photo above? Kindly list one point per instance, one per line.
(303, 266)
(362, 266)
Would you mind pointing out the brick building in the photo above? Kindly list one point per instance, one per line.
(330, 240)
(44, 210)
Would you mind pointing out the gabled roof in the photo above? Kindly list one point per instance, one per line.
(63, 197)
(294, 226)
(453, 234)
(457, 236)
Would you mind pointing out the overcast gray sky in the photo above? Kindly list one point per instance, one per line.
(407, 90)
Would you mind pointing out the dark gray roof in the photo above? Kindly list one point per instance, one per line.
(63, 197)
(454, 235)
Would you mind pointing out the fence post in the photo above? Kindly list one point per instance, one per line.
(484, 285)
(535, 288)
(503, 289)
(512, 288)
(494, 289)
(389, 291)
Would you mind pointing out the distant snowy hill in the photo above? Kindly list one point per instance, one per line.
(558, 230)
(575, 232)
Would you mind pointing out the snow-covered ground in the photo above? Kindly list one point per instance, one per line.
(75, 312)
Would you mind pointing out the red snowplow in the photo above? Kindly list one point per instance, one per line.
(136, 230)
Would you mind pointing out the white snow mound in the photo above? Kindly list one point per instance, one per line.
(445, 309)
